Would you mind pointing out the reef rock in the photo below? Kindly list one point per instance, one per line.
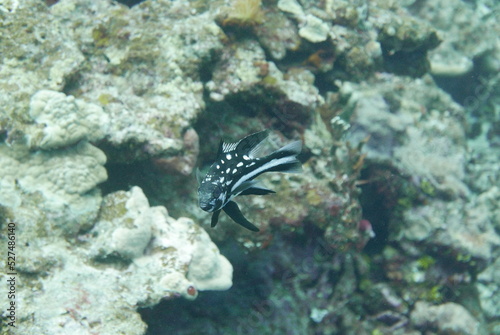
(488, 286)
(245, 70)
(147, 83)
(63, 120)
(449, 318)
(417, 130)
(52, 192)
(39, 53)
(412, 124)
(458, 227)
(469, 33)
(134, 256)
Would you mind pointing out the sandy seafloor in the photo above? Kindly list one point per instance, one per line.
(107, 109)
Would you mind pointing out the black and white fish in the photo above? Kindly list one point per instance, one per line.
(232, 174)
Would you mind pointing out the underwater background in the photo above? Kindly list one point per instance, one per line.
(107, 109)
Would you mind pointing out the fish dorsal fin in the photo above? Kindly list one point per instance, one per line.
(257, 151)
(252, 144)
(227, 147)
(221, 148)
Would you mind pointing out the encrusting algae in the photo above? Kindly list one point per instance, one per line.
(244, 13)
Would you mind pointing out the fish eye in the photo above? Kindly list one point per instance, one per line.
(216, 192)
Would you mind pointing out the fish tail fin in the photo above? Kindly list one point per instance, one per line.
(294, 166)
(286, 158)
(292, 148)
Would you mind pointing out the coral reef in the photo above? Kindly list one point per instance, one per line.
(52, 193)
(468, 33)
(36, 56)
(134, 256)
(186, 160)
(488, 286)
(150, 94)
(243, 13)
(245, 71)
(62, 120)
(413, 125)
(446, 318)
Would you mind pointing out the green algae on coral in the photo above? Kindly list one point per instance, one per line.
(425, 262)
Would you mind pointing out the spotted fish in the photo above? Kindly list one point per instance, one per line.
(233, 171)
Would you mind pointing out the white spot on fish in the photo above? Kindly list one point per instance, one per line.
(245, 157)
(228, 156)
(221, 179)
(228, 182)
(251, 164)
(228, 169)
(218, 167)
(235, 170)
(240, 164)
(222, 161)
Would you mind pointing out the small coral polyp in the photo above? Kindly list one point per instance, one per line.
(191, 290)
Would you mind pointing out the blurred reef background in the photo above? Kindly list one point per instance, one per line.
(106, 109)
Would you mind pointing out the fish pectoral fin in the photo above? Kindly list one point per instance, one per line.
(199, 177)
(244, 186)
(251, 187)
(215, 218)
(257, 190)
(234, 213)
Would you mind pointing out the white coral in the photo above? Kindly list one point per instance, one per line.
(161, 257)
(62, 120)
(62, 182)
(159, 245)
